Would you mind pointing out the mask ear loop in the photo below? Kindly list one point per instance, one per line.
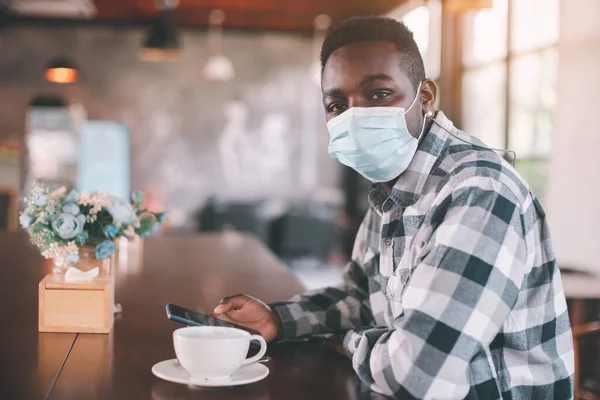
(429, 113)
(416, 97)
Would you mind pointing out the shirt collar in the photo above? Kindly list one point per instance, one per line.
(408, 188)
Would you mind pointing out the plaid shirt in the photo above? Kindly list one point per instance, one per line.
(453, 290)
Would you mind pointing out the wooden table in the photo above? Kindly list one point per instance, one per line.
(194, 271)
(29, 362)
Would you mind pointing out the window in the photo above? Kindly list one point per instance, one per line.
(425, 23)
(509, 72)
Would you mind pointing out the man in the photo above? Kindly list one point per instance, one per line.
(453, 290)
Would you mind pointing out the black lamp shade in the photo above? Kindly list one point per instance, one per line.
(4, 16)
(162, 41)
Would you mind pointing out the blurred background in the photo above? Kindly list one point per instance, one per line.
(213, 108)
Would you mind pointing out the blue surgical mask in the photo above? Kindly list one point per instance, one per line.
(374, 141)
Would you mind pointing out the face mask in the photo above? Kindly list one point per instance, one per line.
(374, 141)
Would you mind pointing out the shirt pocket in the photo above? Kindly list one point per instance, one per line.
(397, 284)
(395, 290)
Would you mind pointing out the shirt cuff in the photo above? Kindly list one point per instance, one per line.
(354, 337)
(288, 328)
(351, 342)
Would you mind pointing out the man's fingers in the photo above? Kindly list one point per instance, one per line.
(231, 303)
(222, 309)
(224, 317)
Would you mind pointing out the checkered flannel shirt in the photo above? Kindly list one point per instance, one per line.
(453, 289)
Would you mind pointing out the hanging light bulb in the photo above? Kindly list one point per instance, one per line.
(61, 70)
(219, 67)
(162, 41)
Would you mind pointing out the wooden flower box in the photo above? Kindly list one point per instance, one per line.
(77, 307)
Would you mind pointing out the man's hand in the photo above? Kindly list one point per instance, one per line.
(250, 313)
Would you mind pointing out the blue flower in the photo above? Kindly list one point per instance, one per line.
(25, 220)
(111, 231)
(121, 211)
(81, 239)
(105, 249)
(162, 217)
(71, 208)
(71, 197)
(40, 200)
(67, 226)
(72, 259)
(138, 197)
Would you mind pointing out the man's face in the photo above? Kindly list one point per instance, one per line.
(369, 74)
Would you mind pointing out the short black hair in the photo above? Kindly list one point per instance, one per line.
(380, 29)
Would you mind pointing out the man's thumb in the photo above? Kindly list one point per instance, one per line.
(227, 303)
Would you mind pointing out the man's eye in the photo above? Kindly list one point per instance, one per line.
(380, 95)
(336, 108)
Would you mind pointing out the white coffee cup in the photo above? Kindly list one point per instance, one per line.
(214, 352)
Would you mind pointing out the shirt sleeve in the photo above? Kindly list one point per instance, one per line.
(460, 292)
(333, 309)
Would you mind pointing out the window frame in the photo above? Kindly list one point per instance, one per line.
(457, 23)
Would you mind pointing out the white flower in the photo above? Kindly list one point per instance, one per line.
(96, 200)
(25, 220)
(71, 208)
(130, 232)
(121, 211)
(67, 226)
(40, 200)
(39, 195)
(61, 254)
(58, 193)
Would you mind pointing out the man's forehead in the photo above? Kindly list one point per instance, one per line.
(352, 63)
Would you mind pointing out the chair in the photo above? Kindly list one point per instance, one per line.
(582, 291)
(241, 216)
(590, 389)
(305, 231)
(8, 209)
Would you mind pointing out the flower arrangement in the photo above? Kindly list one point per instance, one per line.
(59, 223)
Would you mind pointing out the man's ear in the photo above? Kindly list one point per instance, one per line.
(428, 95)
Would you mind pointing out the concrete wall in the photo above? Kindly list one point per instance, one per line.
(574, 188)
(181, 126)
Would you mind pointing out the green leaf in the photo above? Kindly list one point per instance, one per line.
(38, 227)
(161, 217)
(147, 223)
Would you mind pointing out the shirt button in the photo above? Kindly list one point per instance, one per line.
(387, 205)
(388, 241)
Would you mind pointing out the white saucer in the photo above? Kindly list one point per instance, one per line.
(172, 371)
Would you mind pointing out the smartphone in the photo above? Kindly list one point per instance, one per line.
(194, 318)
(189, 317)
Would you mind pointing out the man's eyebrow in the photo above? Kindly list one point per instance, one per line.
(367, 79)
(333, 93)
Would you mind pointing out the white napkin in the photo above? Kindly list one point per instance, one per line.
(75, 275)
